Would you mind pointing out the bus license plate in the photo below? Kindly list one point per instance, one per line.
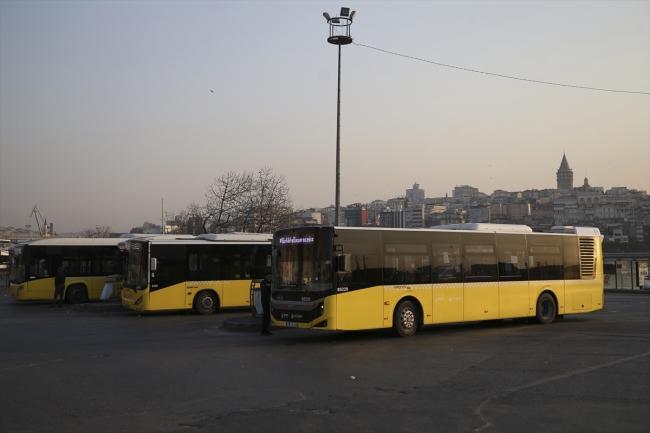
(291, 324)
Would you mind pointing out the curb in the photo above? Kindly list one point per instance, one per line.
(104, 307)
(636, 291)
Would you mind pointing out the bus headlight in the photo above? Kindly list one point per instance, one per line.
(21, 287)
(321, 309)
(138, 302)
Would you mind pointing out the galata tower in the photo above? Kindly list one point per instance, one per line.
(565, 176)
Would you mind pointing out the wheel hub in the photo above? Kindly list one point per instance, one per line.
(407, 318)
(206, 302)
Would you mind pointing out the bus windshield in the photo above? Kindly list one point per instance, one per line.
(137, 266)
(304, 258)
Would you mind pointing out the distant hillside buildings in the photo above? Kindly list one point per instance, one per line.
(622, 214)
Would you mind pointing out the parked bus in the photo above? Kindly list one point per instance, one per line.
(338, 278)
(203, 273)
(88, 263)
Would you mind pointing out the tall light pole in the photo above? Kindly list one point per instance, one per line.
(339, 35)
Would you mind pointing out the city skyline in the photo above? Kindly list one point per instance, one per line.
(566, 187)
(106, 108)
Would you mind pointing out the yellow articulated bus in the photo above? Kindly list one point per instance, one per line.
(202, 273)
(339, 278)
(89, 264)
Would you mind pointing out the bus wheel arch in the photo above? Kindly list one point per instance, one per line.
(76, 293)
(206, 302)
(546, 308)
(407, 317)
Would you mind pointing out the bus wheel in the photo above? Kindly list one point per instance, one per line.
(206, 303)
(405, 322)
(546, 309)
(76, 294)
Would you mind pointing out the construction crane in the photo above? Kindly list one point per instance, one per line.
(42, 224)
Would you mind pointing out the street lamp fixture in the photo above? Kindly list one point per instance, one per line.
(339, 35)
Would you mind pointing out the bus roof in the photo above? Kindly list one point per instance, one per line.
(154, 235)
(239, 238)
(514, 228)
(493, 228)
(73, 241)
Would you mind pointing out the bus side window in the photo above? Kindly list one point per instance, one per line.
(571, 258)
(446, 263)
(364, 270)
(407, 264)
(392, 274)
(513, 261)
(232, 266)
(109, 261)
(446, 258)
(195, 268)
(171, 265)
(545, 262)
(259, 261)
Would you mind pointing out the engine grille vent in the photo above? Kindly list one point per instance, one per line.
(587, 258)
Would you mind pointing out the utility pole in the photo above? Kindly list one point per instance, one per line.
(339, 35)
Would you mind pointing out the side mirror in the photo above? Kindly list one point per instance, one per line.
(343, 263)
(153, 264)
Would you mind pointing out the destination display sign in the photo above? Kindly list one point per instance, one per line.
(295, 240)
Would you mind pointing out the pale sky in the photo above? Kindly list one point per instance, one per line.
(105, 107)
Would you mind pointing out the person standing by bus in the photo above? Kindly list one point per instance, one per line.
(59, 287)
(265, 288)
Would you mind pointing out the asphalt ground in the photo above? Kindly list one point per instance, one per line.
(66, 371)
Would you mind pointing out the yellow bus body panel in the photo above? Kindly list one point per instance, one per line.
(583, 295)
(514, 299)
(360, 309)
(95, 287)
(236, 293)
(34, 290)
(481, 301)
(169, 298)
(42, 289)
(448, 303)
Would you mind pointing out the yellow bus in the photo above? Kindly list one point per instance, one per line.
(89, 264)
(338, 278)
(203, 273)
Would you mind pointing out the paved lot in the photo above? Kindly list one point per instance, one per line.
(177, 372)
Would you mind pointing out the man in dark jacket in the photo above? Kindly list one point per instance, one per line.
(265, 287)
(59, 287)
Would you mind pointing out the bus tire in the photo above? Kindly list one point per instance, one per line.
(76, 294)
(206, 302)
(405, 321)
(546, 309)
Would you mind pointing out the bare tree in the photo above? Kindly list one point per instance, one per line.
(193, 220)
(250, 202)
(97, 232)
(266, 205)
(224, 198)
